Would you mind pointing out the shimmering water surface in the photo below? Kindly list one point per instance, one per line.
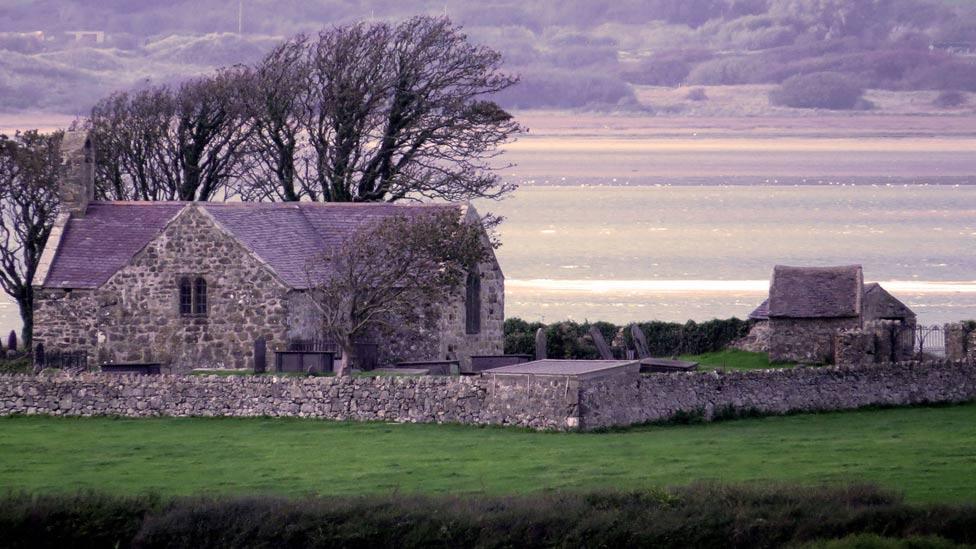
(680, 252)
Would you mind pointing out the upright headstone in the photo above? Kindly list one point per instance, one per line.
(640, 342)
(601, 344)
(39, 357)
(540, 344)
(260, 356)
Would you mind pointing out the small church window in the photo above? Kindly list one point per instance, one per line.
(186, 296)
(472, 303)
(200, 296)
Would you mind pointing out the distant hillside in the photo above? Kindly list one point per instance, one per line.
(571, 54)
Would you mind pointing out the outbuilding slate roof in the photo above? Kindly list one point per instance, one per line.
(816, 292)
(761, 312)
(880, 304)
(285, 236)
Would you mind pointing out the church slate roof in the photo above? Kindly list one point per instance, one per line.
(816, 292)
(285, 236)
(94, 247)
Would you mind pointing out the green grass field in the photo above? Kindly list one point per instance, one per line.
(928, 453)
(733, 359)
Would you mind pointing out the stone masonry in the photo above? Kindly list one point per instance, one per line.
(806, 340)
(546, 404)
(727, 394)
(134, 317)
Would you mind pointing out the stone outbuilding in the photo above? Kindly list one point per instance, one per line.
(808, 306)
(192, 285)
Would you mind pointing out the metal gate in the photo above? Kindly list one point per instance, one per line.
(930, 342)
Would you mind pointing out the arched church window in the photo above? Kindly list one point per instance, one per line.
(200, 296)
(472, 303)
(186, 296)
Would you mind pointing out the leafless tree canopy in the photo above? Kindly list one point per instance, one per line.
(394, 272)
(363, 112)
(30, 166)
(166, 143)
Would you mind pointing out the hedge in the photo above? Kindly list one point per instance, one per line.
(703, 515)
(571, 340)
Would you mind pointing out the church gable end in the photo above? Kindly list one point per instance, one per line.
(192, 297)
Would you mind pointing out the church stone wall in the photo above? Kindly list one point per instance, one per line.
(458, 345)
(135, 317)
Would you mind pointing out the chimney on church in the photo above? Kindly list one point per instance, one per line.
(77, 186)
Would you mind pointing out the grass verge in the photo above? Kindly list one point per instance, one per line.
(925, 453)
(734, 359)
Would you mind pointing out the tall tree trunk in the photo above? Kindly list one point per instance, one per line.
(27, 317)
(345, 363)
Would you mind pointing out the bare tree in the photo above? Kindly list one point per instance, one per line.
(130, 129)
(394, 272)
(163, 143)
(278, 148)
(30, 165)
(390, 113)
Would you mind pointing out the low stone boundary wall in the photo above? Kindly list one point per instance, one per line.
(812, 389)
(420, 399)
(538, 403)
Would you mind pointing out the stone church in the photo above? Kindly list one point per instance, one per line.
(194, 284)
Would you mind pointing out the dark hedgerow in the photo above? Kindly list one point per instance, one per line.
(571, 340)
(701, 515)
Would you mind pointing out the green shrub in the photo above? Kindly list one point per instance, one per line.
(17, 365)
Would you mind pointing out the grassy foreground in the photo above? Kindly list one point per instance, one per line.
(929, 454)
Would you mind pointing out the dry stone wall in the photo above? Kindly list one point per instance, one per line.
(717, 394)
(537, 403)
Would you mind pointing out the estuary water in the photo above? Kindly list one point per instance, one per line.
(698, 252)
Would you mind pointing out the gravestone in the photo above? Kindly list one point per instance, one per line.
(540, 344)
(601, 344)
(39, 357)
(260, 356)
(640, 342)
